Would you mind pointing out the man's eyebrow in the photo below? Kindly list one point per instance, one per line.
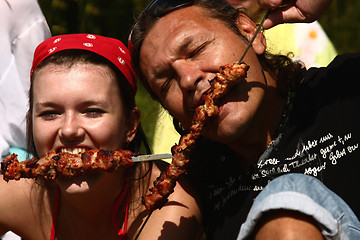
(184, 44)
(179, 50)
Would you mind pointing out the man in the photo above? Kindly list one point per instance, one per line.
(307, 42)
(280, 120)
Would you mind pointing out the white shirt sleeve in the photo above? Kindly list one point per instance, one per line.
(22, 27)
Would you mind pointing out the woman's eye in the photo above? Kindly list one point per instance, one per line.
(49, 115)
(94, 113)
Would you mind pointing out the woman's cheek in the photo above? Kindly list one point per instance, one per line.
(108, 134)
(43, 134)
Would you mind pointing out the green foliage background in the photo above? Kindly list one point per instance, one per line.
(114, 18)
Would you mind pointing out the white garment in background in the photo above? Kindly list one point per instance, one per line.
(22, 28)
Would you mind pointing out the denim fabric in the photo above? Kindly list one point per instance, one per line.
(307, 195)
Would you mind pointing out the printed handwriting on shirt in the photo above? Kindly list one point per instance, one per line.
(310, 157)
(328, 148)
(223, 194)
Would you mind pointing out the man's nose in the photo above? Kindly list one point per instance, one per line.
(192, 81)
(189, 75)
(71, 128)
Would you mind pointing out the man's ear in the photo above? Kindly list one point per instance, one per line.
(248, 28)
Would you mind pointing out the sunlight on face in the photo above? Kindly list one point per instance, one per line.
(76, 109)
(178, 58)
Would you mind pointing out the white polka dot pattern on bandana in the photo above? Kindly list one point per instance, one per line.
(111, 49)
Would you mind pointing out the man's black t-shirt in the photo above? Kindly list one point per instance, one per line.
(319, 136)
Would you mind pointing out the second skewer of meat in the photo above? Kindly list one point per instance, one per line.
(164, 185)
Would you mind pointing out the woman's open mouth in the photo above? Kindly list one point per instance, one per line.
(72, 150)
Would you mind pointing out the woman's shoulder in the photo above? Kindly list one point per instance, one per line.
(23, 206)
(15, 191)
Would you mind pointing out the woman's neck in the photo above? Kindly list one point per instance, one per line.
(88, 205)
(88, 215)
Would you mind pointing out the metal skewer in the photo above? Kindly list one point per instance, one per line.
(256, 33)
(151, 157)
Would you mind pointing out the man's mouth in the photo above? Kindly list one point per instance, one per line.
(201, 101)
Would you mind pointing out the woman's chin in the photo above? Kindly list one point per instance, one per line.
(78, 184)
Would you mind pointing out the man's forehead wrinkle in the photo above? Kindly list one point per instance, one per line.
(182, 41)
(175, 41)
(176, 47)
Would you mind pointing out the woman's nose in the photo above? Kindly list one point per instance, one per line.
(71, 129)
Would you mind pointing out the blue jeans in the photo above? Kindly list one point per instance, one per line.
(305, 194)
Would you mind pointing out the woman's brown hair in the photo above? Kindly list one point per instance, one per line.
(71, 57)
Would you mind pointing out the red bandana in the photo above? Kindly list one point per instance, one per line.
(110, 48)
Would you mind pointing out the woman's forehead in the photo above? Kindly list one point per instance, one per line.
(78, 67)
(82, 76)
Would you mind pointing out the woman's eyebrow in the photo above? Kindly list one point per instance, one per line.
(101, 103)
(45, 104)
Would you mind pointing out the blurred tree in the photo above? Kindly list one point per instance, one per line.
(109, 18)
(340, 22)
(114, 18)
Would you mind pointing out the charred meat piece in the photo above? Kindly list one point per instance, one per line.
(65, 164)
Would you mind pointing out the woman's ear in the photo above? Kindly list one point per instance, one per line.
(248, 28)
(133, 124)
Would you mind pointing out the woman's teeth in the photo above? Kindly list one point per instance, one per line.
(73, 150)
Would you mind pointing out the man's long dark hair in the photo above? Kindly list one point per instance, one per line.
(288, 73)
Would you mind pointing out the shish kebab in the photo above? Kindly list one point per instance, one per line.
(66, 164)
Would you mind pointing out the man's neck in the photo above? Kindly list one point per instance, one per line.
(261, 132)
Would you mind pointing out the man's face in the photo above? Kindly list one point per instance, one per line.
(184, 50)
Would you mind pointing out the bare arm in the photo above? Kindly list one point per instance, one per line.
(283, 224)
(17, 208)
(8, 204)
(179, 219)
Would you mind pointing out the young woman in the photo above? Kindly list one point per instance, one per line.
(81, 98)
